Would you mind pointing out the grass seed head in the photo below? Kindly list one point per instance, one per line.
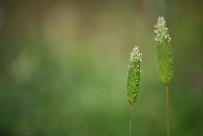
(164, 54)
(133, 76)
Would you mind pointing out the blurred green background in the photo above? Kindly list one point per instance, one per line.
(63, 67)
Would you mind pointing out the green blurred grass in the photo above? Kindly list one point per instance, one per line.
(63, 67)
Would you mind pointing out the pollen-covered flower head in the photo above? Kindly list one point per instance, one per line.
(133, 76)
(135, 55)
(161, 31)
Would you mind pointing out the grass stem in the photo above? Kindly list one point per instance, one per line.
(167, 111)
(131, 114)
(157, 132)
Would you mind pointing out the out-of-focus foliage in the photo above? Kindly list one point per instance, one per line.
(63, 67)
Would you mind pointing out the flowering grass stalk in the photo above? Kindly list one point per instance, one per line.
(164, 59)
(133, 80)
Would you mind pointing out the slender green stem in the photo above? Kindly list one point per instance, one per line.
(131, 114)
(167, 111)
(157, 132)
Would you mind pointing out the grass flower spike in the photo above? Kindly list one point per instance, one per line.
(133, 76)
(164, 59)
(133, 80)
(164, 55)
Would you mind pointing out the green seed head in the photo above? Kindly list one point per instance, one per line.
(133, 76)
(164, 55)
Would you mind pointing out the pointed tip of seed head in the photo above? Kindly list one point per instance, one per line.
(136, 48)
(161, 20)
(135, 55)
(161, 17)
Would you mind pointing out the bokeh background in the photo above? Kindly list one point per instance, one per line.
(63, 67)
